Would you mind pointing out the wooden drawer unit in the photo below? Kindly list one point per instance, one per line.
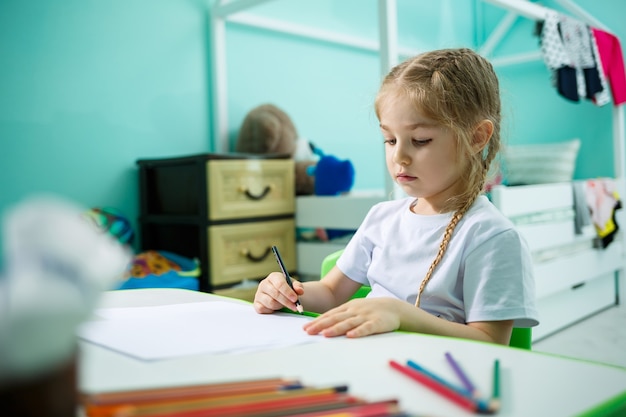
(226, 210)
(250, 188)
(241, 251)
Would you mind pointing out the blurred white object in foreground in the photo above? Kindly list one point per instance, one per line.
(56, 265)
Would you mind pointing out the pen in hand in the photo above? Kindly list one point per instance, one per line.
(287, 277)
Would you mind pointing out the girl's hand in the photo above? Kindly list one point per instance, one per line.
(273, 293)
(357, 318)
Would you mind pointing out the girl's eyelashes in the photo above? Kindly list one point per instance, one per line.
(415, 142)
(421, 142)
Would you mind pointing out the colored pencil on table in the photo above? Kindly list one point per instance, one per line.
(483, 406)
(460, 390)
(190, 391)
(223, 405)
(462, 375)
(494, 403)
(269, 407)
(370, 409)
(453, 395)
(106, 404)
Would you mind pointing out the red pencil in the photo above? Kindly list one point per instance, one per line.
(112, 403)
(240, 405)
(189, 391)
(452, 395)
(372, 409)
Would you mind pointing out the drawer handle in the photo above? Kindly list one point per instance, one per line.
(251, 257)
(261, 196)
(577, 286)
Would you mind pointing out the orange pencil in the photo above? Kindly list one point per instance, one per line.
(372, 409)
(223, 403)
(288, 406)
(189, 391)
(177, 397)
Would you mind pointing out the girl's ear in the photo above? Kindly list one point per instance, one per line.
(481, 136)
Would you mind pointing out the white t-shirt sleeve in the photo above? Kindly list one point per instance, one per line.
(356, 258)
(497, 286)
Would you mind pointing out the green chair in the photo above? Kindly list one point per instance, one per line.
(520, 337)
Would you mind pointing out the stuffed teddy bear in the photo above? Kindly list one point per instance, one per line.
(267, 129)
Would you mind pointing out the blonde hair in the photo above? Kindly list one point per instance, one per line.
(458, 89)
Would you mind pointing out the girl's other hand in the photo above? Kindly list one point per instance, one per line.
(273, 293)
(357, 318)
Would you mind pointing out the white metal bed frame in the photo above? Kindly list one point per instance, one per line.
(307, 208)
(388, 48)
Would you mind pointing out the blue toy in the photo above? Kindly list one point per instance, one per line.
(333, 176)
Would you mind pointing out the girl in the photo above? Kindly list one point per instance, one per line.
(444, 260)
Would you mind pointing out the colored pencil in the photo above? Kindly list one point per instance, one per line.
(281, 264)
(268, 407)
(462, 375)
(170, 400)
(452, 395)
(371, 409)
(439, 379)
(221, 405)
(494, 403)
(483, 405)
(190, 391)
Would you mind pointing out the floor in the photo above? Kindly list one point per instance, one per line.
(600, 338)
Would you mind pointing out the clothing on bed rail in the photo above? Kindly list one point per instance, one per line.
(603, 200)
(583, 60)
(610, 52)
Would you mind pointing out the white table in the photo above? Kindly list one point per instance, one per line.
(532, 383)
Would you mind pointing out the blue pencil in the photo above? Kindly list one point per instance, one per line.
(462, 376)
(483, 406)
(442, 381)
(462, 400)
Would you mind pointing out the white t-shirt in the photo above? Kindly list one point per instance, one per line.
(486, 274)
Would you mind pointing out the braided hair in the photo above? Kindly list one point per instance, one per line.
(458, 89)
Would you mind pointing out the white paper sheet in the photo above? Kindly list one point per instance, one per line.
(219, 327)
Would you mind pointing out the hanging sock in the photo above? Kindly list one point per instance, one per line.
(554, 54)
(552, 48)
(604, 96)
(610, 52)
(569, 51)
(577, 43)
(566, 83)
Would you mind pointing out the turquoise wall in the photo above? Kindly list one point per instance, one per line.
(87, 87)
(328, 90)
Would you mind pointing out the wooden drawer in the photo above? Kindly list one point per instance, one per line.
(250, 188)
(566, 307)
(240, 251)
